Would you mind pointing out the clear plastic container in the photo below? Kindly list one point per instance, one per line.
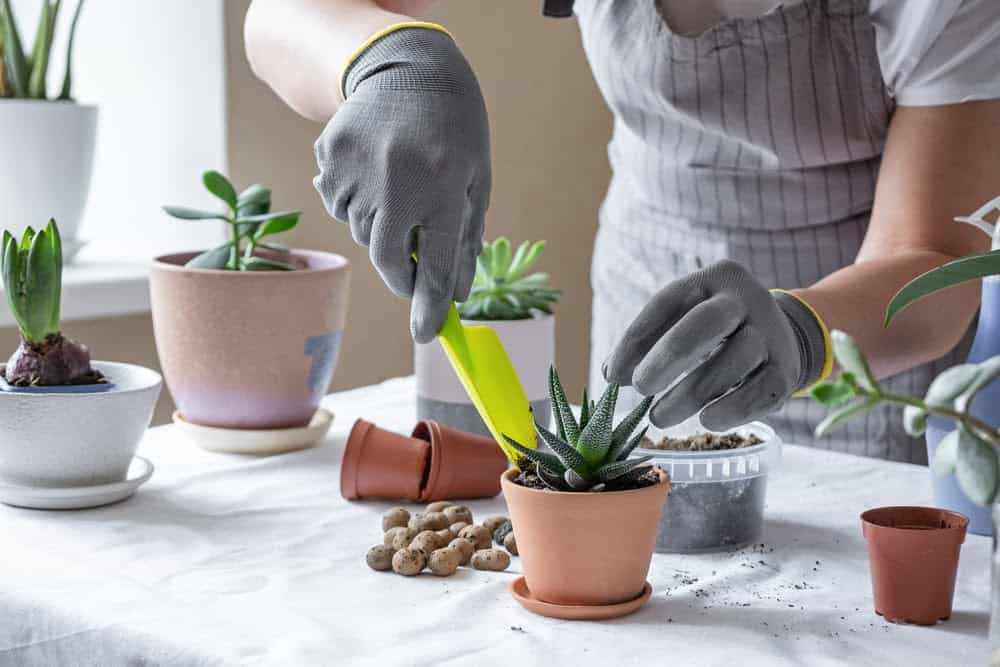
(716, 499)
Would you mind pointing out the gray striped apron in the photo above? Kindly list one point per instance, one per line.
(758, 140)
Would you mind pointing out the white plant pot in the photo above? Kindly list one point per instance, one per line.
(48, 150)
(530, 344)
(77, 439)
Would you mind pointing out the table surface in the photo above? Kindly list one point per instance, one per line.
(223, 559)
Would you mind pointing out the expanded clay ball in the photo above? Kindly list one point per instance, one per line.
(458, 513)
(500, 534)
(379, 557)
(494, 522)
(438, 506)
(464, 547)
(510, 544)
(397, 516)
(415, 520)
(456, 528)
(444, 562)
(399, 537)
(478, 535)
(444, 535)
(488, 559)
(432, 521)
(408, 562)
(427, 541)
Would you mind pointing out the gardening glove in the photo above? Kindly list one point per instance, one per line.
(406, 163)
(745, 350)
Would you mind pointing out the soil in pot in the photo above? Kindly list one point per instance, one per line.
(709, 512)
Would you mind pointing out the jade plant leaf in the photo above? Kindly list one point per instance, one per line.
(976, 468)
(185, 213)
(955, 272)
(220, 186)
(276, 223)
(262, 264)
(255, 200)
(216, 258)
(833, 394)
(946, 455)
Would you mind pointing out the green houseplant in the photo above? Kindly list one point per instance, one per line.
(585, 515)
(52, 134)
(248, 332)
(514, 300)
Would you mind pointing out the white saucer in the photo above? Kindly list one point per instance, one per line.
(257, 441)
(77, 497)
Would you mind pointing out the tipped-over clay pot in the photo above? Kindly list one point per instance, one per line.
(435, 463)
(913, 552)
(585, 548)
(249, 349)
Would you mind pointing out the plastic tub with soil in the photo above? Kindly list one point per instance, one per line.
(718, 485)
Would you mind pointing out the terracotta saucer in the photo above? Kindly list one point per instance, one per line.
(576, 612)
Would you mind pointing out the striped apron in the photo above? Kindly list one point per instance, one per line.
(758, 141)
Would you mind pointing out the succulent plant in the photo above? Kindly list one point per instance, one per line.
(250, 220)
(589, 454)
(32, 277)
(23, 74)
(503, 288)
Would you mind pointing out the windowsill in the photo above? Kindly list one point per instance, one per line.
(95, 289)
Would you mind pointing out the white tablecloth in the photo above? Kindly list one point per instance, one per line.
(232, 560)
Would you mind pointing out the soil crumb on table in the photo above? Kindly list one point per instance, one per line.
(703, 442)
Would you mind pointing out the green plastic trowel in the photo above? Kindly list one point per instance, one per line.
(482, 364)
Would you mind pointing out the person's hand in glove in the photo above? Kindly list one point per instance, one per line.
(406, 163)
(745, 349)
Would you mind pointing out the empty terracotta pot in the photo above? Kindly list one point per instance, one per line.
(913, 553)
(249, 349)
(463, 465)
(435, 463)
(585, 548)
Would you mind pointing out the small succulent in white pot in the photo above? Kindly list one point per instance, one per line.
(51, 134)
(64, 421)
(515, 301)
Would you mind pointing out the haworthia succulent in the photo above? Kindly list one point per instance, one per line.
(595, 438)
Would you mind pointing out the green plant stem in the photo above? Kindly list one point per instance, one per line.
(984, 430)
(234, 255)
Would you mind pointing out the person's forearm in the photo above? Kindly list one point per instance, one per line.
(854, 299)
(300, 47)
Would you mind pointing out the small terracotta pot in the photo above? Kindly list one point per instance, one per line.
(585, 548)
(463, 465)
(435, 463)
(249, 349)
(913, 553)
(382, 464)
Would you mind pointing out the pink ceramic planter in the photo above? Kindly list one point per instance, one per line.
(253, 350)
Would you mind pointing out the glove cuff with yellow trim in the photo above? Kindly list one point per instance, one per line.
(409, 56)
(813, 338)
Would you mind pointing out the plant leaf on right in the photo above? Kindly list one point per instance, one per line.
(589, 454)
(504, 287)
(970, 451)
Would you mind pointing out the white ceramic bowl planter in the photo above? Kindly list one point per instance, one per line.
(60, 439)
(49, 151)
(530, 344)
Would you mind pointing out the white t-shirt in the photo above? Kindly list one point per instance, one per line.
(930, 51)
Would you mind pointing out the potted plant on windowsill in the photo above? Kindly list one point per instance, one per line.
(516, 303)
(585, 515)
(51, 138)
(69, 427)
(248, 332)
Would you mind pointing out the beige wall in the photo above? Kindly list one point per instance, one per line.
(549, 130)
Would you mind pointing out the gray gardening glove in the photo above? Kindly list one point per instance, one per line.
(406, 162)
(745, 350)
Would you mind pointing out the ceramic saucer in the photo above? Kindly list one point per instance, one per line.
(576, 612)
(257, 441)
(77, 497)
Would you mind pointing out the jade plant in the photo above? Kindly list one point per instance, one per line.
(22, 73)
(32, 278)
(589, 454)
(250, 220)
(504, 287)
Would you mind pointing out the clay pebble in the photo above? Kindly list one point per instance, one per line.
(478, 535)
(458, 513)
(438, 506)
(494, 522)
(491, 559)
(379, 557)
(397, 516)
(443, 562)
(510, 543)
(408, 562)
(465, 547)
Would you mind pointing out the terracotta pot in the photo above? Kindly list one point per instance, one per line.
(246, 349)
(463, 465)
(382, 464)
(585, 548)
(435, 463)
(913, 553)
